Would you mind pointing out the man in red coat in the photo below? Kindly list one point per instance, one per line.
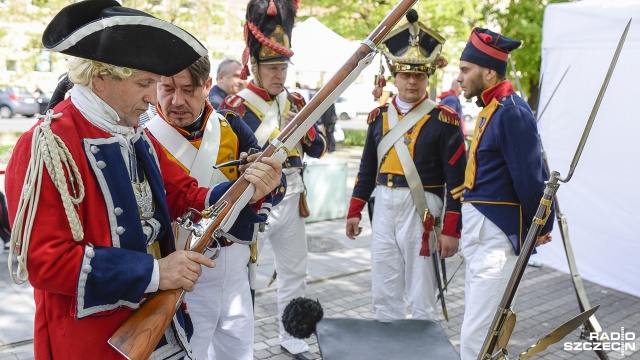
(94, 229)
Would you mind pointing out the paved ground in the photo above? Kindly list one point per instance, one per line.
(339, 277)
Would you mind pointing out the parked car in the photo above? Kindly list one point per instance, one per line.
(16, 100)
(344, 109)
(43, 101)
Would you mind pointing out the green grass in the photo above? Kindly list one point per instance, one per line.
(5, 153)
(354, 137)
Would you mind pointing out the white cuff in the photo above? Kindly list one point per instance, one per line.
(155, 278)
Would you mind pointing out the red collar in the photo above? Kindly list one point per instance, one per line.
(262, 92)
(497, 91)
(208, 109)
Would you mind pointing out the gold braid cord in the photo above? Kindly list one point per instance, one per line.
(49, 150)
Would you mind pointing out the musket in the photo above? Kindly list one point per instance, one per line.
(591, 325)
(540, 113)
(138, 336)
(497, 338)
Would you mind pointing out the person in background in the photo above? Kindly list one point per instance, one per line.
(267, 107)
(100, 241)
(504, 182)
(419, 170)
(328, 120)
(197, 137)
(451, 99)
(228, 81)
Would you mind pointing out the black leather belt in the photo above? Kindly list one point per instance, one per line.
(392, 180)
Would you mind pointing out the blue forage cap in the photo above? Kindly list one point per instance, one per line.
(489, 49)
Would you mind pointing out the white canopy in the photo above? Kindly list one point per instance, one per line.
(602, 200)
(317, 48)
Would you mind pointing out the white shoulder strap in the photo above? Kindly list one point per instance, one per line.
(175, 143)
(408, 166)
(202, 168)
(399, 128)
(199, 163)
(270, 112)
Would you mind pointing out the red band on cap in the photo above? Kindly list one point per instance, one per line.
(487, 49)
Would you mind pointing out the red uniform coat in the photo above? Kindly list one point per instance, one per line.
(84, 290)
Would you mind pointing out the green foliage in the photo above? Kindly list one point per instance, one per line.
(200, 18)
(4, 149)
(453, 19)
(354, 137)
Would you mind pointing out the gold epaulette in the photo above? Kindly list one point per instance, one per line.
(448, 115)
(374, 114)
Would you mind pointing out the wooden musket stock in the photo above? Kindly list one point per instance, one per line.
(138, 336)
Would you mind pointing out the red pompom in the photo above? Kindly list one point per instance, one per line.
(297, 3)
(272, 10)
(486, 38)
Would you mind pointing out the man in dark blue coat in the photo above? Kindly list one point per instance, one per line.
(504, 182)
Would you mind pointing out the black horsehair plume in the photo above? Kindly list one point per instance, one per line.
(301, 316)
(412, 16)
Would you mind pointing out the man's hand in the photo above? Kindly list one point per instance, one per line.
(543, 239)
(250, 159)
(447, 246)
(264, 175)
(289, 116)
(353, 229)
(181, 269)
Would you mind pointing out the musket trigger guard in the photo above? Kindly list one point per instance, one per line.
(216, 251)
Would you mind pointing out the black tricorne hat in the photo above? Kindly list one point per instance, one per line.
(105, 31)
(268, 31)
(489, 49)
(413, 47)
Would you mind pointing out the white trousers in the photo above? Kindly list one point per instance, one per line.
(286, 233)
(490, 260)
(398, 272)
(221, 308)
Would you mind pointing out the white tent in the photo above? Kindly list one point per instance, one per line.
(319, 53)
(317, 48)
(602, 200)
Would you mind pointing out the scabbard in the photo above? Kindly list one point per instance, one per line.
(435, 258)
